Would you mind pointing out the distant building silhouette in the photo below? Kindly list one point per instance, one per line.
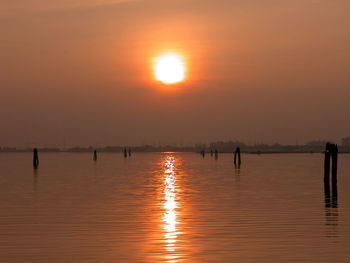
(346, 142)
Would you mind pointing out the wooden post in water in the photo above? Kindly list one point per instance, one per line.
(125, 153)
(237, 157)
(211, 152)
(95, 155)
(35, 158)
(129, 152)
(334, 175)
(327, 163)
(331, 154)
(216, 154)
(334, 163)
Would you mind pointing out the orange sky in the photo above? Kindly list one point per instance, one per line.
(79, 72)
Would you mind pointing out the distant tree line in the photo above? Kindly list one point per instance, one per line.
(221, 146)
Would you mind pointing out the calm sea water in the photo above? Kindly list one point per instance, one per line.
(171, 207)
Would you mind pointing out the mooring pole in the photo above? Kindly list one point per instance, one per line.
(237, 157)
(331, 152)
(334, 165)
(327, 163)
(216, 154)
(129, 152)
(35, 158)
(125, 153)
(95, 155)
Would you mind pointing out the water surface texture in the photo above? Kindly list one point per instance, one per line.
(172, 207)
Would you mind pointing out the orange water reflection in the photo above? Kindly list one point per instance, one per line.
(170, 205)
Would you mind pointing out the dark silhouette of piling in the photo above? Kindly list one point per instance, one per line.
(95, 155)
(211, 152)
(35, 158)
(203, 153)
(129, 152)
(237, 158)
(125, 153)
(216, 154)
(331, 155)
(334, 164)
(327, 163)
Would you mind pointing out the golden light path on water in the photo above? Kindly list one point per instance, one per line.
(170, 205)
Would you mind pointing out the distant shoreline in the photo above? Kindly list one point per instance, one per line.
(220, 146)
(196, 152)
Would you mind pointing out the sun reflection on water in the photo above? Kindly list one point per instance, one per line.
(170, 205)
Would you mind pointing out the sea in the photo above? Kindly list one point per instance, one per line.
(172, 207)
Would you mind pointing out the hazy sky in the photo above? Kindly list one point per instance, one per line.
(79, 72)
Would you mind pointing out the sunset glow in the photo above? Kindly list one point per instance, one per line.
(169, 69)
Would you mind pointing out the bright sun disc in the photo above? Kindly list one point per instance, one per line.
(169, 69)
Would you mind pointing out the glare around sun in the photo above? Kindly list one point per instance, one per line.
(169, 68)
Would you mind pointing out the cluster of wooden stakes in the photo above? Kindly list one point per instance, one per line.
(127, 153)
(236, 159)
(330, 156)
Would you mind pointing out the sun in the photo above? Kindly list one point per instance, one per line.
(169, 68)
